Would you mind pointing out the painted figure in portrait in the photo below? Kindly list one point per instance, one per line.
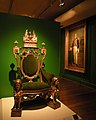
(75, 49)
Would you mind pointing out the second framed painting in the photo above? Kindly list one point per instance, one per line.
(75, 47)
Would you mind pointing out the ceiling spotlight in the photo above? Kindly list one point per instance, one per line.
(61, 3)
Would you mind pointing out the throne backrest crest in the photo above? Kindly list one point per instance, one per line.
(30, 39)
(29, 58)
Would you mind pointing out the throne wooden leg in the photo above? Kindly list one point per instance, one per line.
(16, 110)
(53, 103)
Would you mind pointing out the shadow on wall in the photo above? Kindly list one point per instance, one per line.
(12, 74)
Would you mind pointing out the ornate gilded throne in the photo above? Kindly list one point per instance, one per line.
(32, 79)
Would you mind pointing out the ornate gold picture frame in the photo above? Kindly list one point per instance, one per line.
(75, 47)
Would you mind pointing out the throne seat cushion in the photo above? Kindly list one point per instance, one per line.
(34, 86)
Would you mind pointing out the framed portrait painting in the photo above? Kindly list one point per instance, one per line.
(75, 47)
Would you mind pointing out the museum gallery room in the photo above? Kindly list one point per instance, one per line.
(48, 68)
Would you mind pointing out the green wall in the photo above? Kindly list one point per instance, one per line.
(89, 77)
(12, 28)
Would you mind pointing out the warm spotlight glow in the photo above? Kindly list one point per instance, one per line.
(61, 3)
(25, 97)
(71, 13)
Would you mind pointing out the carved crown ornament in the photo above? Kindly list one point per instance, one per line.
(30, 39)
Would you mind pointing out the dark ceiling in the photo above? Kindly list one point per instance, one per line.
(42, 9)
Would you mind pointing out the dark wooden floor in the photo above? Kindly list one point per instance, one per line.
(79, 98)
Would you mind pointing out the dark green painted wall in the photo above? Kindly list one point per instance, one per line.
(89, 77)
(12, 28)
(92, 49)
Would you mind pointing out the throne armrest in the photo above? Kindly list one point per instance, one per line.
(46, 76)
(50, 78)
